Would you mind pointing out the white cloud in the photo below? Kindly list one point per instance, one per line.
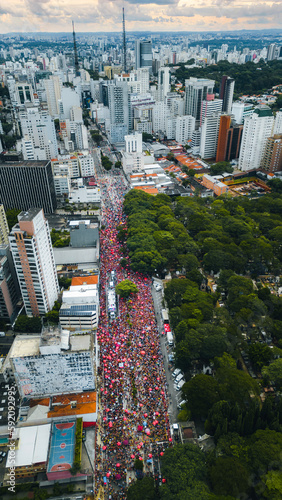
(105, 15)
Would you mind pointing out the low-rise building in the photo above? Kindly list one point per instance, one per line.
(29, 454)
(215, 184)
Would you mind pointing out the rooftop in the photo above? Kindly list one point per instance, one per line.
(32, 447)
(73, 404)
(85, 280)
(29, 215)
(26, 163)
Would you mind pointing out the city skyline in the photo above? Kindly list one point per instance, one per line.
(160, 15)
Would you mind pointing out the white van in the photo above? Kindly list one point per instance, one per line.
(182, 403)
(179, 377)
(176, 372)
(180, 384)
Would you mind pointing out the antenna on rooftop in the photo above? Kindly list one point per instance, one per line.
(76, 64)
(124, 42)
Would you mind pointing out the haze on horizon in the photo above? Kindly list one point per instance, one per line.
(144, 15)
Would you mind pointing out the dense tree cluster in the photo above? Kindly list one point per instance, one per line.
(156, 240)
(240, 239)
(250, 78)
(106, 162)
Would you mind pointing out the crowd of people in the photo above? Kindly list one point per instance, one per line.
(133, 419)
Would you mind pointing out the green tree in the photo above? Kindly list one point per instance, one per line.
(201, 392)
(260, 355)
(183, 467)
(273, 373)
(25, 324)
(125, 288)
(272, 482)
(143, 489)
(220, 168)
(229, 477)
(12, 217)
(175, 290)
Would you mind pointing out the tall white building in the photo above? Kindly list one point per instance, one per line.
(257, 128)
(133, 143)
(34, 262)
(277, 129)
(209, 136)
(69, 100)
(53, 94)
(185, 126)
(38, 127)
(160, 115)
(142, 75)
(163, 82)
(209, 107)
(240, 111)
(120, 116)
(196, 91)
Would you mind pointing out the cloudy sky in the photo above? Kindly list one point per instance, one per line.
(143, 15)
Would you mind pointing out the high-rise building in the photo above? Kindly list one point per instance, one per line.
(272, 159)
(9, 286)
(209, 107)
(133, 143)
(34, 261)
(229, 139)
(184, 128)
(4, 228)
(224, 125)
(277, 129)
(257, 128)
(143, 54)
(226, 92)
(271, 52)
(163, 83)
(160, 116)
(120, 115)
(209, 136)
(240, 111)
(53, 94)
(39, 128)
(196, 91)
(26, 184)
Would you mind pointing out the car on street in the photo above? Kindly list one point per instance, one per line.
(158, 287)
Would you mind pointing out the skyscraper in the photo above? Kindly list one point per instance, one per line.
(257, 128)
(229, 139)
(209, 107)
(184, 128)
(4, 228)
(163, 83)
(53, 94)
(120, 116)
(38, 127)
(9, 286)
(209, 136)
(226, 92)
(272, 159)
(26, 184)
(34, 262)
(196, 91)
(143, 54)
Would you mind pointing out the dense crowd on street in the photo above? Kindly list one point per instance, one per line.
(133, 420)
